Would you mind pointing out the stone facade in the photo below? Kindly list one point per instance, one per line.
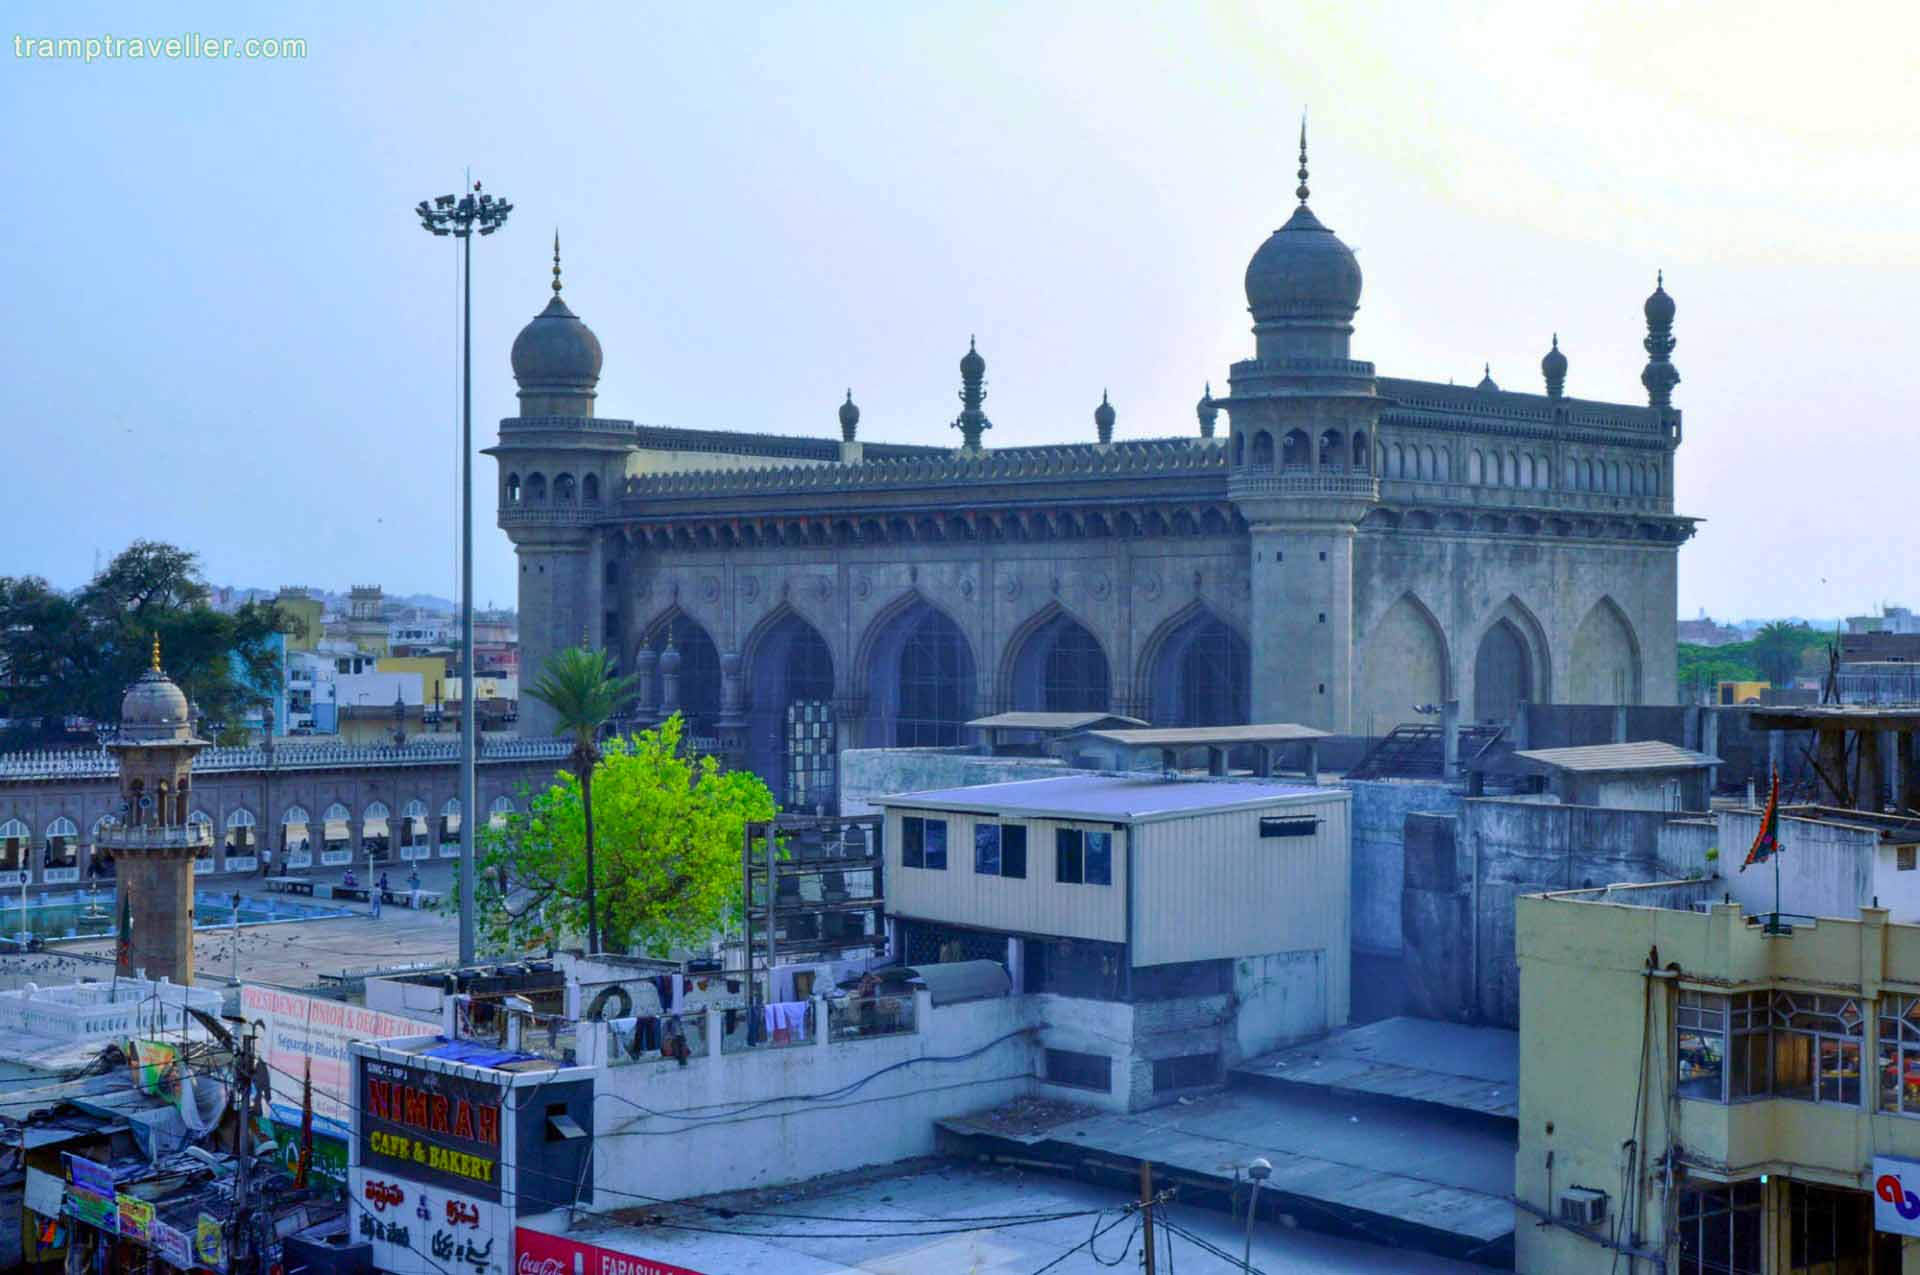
(241, 800)
(1353, 546)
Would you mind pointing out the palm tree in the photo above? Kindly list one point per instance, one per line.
(577, 685)
(1776, 649)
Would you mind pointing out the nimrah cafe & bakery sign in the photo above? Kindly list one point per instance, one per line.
(430, 1127)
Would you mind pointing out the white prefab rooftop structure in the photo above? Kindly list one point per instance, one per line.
(1165, 871)
(1119, 798)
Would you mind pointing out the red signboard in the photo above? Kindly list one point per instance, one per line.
(537, 1253)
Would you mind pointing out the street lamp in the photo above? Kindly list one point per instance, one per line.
(1260, 1170)
(461, 217)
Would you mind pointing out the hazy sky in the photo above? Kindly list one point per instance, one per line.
(224, 328)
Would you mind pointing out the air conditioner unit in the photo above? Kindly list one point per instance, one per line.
(1583, 1206)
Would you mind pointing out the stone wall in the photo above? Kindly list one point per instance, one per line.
(867, 773)
(1380, 810)
(1464, 873)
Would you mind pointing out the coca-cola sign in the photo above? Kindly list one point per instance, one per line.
(537, 1253)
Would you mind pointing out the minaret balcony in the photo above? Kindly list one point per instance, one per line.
(121, 838)
(1251, 482)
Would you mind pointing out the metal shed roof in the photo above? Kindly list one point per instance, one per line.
(1596, 758)
(951, 982)
(1052, 721)
(1197, 736)
(1109, 798)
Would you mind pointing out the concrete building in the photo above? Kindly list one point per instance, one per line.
(365, 623)
(1175, 927)
(155, 841)
(1351, 546)
(1648, 775)
(307, 610)
(1701, 1093)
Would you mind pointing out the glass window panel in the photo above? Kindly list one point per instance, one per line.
(1702, 1064)
(986, 849)
(937, 844)
(1748, 1058)
(1067, 856)
(1099, 858)
(913, 842)
(1013, 850)
(1839, 1071)
(1792, 1065)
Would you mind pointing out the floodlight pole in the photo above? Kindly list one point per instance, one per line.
(470, 213)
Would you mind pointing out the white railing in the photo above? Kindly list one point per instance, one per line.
(98, 763)
(126, 1006)
(1301, 481)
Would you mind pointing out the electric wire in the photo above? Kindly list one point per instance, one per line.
(1098, 1231)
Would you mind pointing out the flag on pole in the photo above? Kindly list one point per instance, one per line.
(1767, 843)
(306, 1127)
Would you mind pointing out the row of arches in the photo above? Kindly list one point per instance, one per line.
(61, 843)
(566, 490)
(920, 680)
(1407, 661)
(1334, 451)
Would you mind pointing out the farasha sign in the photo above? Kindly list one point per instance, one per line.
(430, 1127)
(538, 1253)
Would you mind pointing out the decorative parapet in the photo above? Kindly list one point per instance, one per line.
(549, 516)
(188, 836)
(1250, 483)
(1050, 465)
(97, 763)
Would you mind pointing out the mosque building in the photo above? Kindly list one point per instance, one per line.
(1347, 547)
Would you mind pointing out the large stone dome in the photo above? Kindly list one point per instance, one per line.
(155, 711)
(556, 353)
(1303, 271)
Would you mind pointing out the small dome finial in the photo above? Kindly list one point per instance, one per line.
(156, 652)
(849, 418)
(556, 261)
(1301, 190)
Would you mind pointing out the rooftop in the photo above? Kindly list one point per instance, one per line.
(1835, 717)
(1412, 1059)
(889, 1222)
(1108, 797)
(1201, 736)
(1611, 758)
(1050, 721)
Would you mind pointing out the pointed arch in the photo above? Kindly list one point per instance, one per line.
(1054, 663)
(919, 674)
(699, 677)
(1197, 670)
(1404, 661)
(1511, 662)
(1603, 665)
(792, 738)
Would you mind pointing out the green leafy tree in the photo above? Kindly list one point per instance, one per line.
(1777, 648)
(670, 830)
(74, 655)
(580, 689)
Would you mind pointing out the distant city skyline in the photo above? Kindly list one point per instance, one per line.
(239, 341)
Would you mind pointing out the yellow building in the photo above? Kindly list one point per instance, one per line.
(1698, 1094)
(1739, 692)
(435, 686)
(307, 609)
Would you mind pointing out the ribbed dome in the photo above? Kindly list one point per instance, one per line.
(556, 353)
(1660, 307)
(155, 711)
(972, 366)
(1555, 363)
(1303, 271)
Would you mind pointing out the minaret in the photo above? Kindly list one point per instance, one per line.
(154, 844)
(1305, 425)
(850, 451)
(1660, 375)
(972, 422)
(1554, 368)
(1208, 411)
(1103, 418)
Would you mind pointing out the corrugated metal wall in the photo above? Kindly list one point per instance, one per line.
(1211, 886)
(1036, 905)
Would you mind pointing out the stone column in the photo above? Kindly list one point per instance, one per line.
(1871, 772)
(646, 703)
(1906, 772)
(1450, 739)
(1831, 750)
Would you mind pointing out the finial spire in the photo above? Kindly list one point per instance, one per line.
(556, 261)
(156, 652)
(1301, 191)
